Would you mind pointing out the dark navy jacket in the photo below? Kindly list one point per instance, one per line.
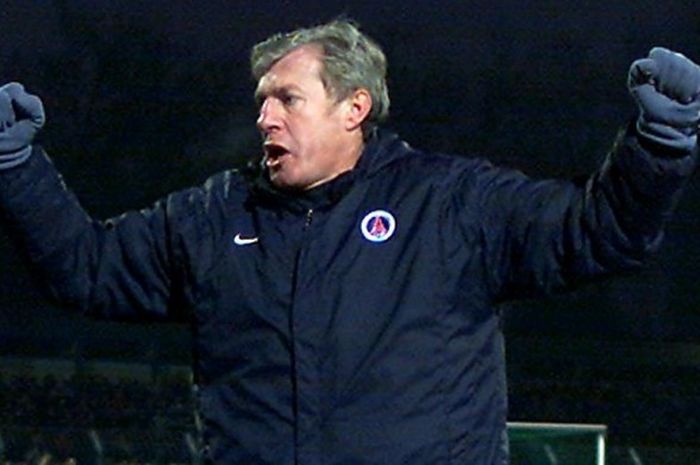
(355, 324)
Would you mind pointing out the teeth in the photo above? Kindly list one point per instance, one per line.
(274, 154)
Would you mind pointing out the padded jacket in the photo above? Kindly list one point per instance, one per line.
(353, 324)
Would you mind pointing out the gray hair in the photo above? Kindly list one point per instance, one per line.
(351, 61)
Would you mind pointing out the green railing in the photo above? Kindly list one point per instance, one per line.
(557, 443)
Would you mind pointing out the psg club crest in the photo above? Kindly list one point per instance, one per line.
(378, 226)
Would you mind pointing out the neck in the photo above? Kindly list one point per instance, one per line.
(348, 155)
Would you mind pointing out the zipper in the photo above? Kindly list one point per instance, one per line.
(295, 387)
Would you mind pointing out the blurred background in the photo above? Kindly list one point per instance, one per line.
(146, 97)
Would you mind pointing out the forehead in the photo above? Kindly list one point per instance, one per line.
(302, 66)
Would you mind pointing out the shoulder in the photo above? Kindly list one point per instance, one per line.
(443, 170)
(218, 194)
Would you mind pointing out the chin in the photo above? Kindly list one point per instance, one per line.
(282, 182)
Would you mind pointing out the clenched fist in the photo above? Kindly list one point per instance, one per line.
(21, 117)
(666, 86)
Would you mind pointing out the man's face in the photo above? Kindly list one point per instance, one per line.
(304, 128)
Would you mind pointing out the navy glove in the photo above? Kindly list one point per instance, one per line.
(666, 86)
(21, 117)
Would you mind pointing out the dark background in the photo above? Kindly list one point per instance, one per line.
(144, 97)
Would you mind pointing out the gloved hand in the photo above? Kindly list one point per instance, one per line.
(666, 86)
(21, 117)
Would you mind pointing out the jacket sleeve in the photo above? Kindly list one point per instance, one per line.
(122, 268)
(540, 236)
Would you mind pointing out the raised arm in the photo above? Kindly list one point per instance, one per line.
(544, 235)
(119, 268)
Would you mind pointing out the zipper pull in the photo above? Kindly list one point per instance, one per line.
(309, 216)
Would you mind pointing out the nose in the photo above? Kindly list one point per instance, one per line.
(268, 117)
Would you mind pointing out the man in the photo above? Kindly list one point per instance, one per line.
(341, 299)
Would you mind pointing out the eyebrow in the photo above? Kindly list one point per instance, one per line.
(260, 93)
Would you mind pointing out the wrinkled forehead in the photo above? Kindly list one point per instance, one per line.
(300, 65)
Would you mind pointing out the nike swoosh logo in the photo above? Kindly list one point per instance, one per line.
(239, 240)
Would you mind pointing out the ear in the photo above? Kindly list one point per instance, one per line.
(359, 106)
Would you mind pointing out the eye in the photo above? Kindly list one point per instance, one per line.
(289, 99)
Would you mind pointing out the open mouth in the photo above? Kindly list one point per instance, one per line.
(274, 154)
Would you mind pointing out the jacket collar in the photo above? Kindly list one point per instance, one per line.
(382, 148)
